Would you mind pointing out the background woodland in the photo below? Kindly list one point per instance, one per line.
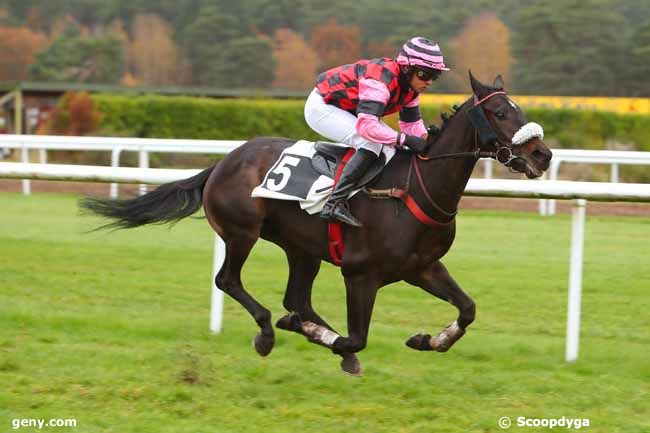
(573, 47)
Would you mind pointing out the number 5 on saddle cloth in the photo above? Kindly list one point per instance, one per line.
(304, 172)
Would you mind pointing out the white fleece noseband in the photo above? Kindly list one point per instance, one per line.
(528, 131)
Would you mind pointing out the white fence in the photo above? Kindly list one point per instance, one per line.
(613, 158)
(579, 191)
(145, 146)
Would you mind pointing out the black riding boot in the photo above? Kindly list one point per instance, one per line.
(337, 203)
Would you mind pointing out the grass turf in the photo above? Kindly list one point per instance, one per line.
(111, 329)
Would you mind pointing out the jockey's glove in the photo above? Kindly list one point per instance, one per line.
(433, 130)
(415, 143)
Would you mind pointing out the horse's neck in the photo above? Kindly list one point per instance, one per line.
(446, 178)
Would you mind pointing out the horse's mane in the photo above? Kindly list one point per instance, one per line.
(446, 117)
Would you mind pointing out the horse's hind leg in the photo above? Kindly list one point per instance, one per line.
(238, 246)
(437, 281)
(302, 318)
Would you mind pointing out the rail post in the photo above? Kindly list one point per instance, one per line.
(575, 279)
(216, 307)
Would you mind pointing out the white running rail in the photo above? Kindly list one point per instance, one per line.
(614, 158)
(144, 146)
(115, 145)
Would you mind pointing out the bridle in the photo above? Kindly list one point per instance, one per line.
(484, 136)
(484, 131)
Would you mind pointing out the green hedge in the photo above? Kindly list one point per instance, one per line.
(202, 118)
(240, 119)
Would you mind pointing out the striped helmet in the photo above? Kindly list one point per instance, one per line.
(421, 52)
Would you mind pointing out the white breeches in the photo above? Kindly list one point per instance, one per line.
(335, 124)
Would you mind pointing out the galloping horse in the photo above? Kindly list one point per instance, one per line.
(391, 246)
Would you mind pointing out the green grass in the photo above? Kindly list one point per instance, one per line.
(111, 329)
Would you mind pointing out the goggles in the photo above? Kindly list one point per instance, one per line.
(427, 74)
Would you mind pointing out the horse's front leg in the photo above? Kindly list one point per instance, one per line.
(318, 331)
(361, 291)
(302, 318)
(437, 281)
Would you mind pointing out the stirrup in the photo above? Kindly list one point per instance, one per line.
(341, 213)
(326, 211)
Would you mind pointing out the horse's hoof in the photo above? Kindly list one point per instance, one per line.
(351, 365)
(420, 342)
(290, 322)
(263, 344)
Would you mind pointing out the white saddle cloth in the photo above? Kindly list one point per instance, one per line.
(293, 178)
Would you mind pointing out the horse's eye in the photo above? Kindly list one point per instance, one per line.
(500, 114)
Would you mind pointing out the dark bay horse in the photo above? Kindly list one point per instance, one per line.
(391, 246)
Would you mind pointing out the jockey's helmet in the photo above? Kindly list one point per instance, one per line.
(423, 53)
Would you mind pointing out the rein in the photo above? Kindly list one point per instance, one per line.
(414, 163)
(477, 153)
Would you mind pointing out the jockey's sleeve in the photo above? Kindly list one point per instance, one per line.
(410, 120)
(373, 97)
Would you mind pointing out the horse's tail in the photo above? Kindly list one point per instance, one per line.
(169, 203)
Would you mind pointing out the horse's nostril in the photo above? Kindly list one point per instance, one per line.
(540, 156)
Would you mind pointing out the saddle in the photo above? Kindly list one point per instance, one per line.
(329, 155)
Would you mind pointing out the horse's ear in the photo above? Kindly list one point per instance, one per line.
(477, 87)
(498, 82)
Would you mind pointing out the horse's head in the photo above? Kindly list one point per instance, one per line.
(503, 129)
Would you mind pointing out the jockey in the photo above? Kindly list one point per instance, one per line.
(348, 102)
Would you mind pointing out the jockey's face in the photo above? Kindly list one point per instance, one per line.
(423, 78)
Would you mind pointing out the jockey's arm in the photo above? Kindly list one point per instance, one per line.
(410, 120)
(373, 97)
